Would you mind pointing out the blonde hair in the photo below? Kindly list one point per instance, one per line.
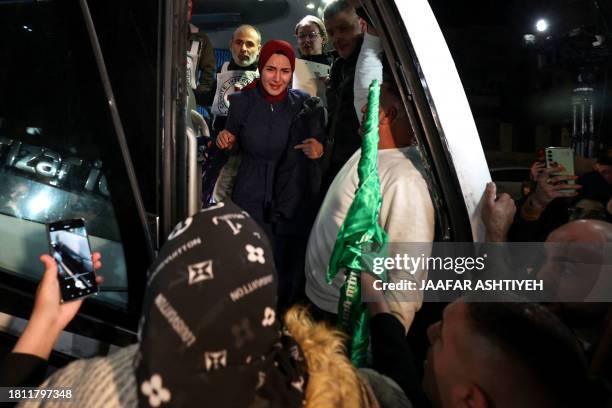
(333, 381)
(318, 22)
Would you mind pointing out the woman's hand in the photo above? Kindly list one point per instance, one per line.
(311, 148)
(49, 316)
(226, 140)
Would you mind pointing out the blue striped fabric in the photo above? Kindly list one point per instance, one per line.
(222, 55)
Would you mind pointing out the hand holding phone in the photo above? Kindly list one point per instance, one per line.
(48, 305)
(69, 246)
(550, 185)
(561, 161)
(49, 316)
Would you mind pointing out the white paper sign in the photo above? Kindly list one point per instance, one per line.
(307, 77)
(227, 82)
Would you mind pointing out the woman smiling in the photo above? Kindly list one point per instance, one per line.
(275, 135)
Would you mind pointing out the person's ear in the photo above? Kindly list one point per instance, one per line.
(389, 115)
(469, 396)
(363, 25)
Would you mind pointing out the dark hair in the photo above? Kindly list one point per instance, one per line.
(535, 338)
(336, 7)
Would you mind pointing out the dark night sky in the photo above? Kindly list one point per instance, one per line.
(507, 82)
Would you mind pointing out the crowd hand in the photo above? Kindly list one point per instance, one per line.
(497, 214)
(549, 186)
(535, 170)
(376, 300)
(226, 140)
(49, 316)
(311, 148)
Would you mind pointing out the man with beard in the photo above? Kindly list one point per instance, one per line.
(245, 46)
(220, 171)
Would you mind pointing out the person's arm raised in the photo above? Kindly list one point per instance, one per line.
(497, 214)
(548, 188)
(50, 316)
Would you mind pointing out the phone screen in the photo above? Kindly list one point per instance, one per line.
(69, 247)
(561, 156)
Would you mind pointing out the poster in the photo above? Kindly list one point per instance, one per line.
(229, 82)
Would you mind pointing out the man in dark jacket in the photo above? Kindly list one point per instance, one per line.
(200, 57)
(345, 29)
(206, 60)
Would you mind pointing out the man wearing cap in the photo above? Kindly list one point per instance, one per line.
(209, 335)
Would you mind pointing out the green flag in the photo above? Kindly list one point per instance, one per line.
(360, 230)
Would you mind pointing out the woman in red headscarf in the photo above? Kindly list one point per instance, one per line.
(269, 125)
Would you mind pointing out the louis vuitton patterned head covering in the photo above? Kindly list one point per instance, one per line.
(209, 333)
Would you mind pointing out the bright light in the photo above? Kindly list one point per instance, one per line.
(326, 2)
(542, 25)
(39, 203)
(33, 131)
(310, 6)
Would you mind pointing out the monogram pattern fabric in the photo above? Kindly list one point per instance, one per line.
(209, 330)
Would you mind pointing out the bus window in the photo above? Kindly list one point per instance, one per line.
(59, 156)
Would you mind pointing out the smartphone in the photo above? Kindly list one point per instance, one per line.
(69, 246)
(561, 156)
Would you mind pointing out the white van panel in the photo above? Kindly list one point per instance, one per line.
(452, 111)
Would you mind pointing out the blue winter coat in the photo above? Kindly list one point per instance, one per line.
(273, 176)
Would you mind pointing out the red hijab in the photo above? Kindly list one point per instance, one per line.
(270, 48)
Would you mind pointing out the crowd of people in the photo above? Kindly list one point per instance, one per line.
(257, 326)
